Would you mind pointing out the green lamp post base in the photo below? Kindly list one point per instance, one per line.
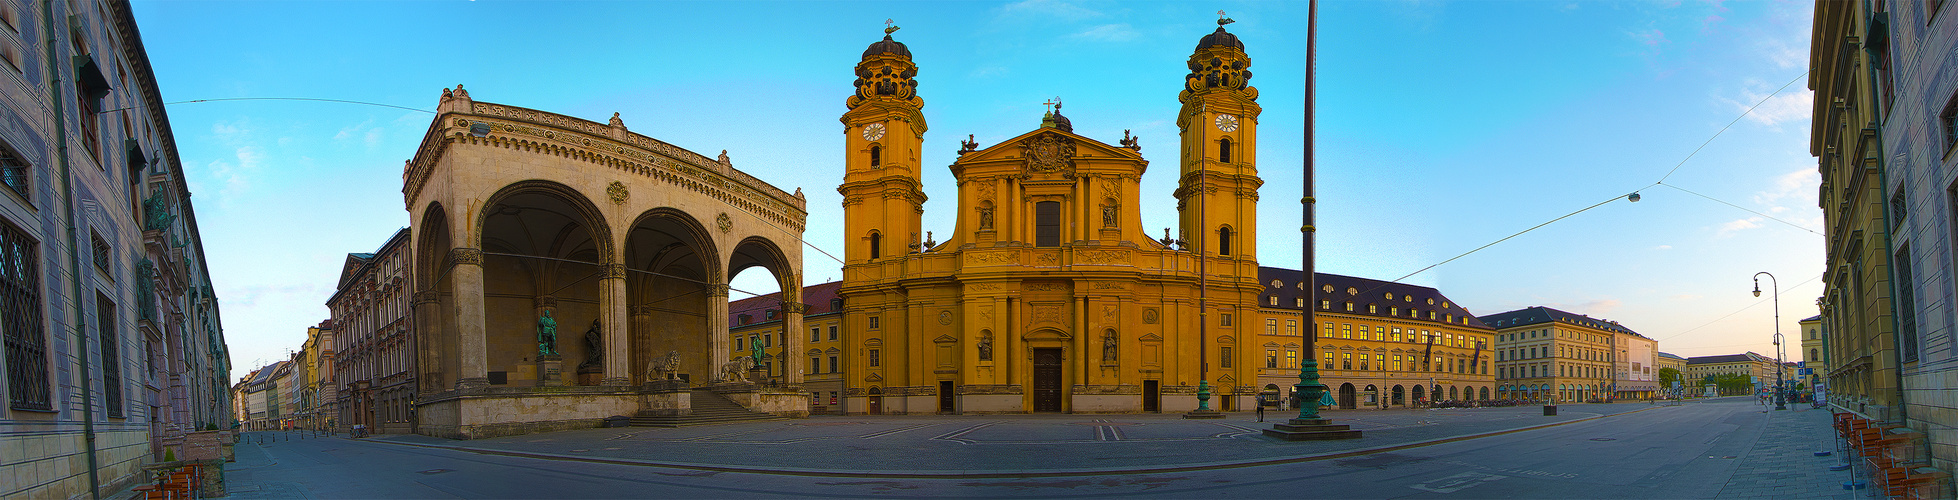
(1308, 426)
(1203, 403)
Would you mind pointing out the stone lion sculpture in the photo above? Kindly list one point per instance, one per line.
(664, 367)
(737, 371)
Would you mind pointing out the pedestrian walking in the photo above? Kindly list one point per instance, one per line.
(1261, 411)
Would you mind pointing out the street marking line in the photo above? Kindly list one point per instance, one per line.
(1456, 482)
(878, 434)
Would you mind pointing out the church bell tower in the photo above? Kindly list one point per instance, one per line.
(1217, 193)
(884, 129)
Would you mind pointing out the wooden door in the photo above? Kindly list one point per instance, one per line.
(1047, 380)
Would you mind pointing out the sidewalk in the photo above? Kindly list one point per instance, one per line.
(1782, 463)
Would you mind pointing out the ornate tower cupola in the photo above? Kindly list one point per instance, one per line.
(1219, 124)
(884, 128)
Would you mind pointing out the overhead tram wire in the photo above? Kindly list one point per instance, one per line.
(1737, 311)
(1660, 182)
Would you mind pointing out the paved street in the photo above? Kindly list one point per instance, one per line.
(1719, 449)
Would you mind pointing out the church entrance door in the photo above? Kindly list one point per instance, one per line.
(1047, 380)
(945, 397)
(1152, 396)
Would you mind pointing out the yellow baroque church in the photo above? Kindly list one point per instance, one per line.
(1050, 296)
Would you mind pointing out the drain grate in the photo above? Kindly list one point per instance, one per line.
(434, 471)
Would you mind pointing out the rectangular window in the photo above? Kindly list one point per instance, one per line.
(99, 250)
(816, 334)
(1397, 362)
(1380, 361)
(1225, 353)
(1949, 119)
(20, 304)
(1271, 358)
(815, 365)
(1226, 320)
(14, 173)
(1047, 224)
(1395, 335)
(873, 322)
(832, 332)
(106, 330)
(1292, 327)
(1365, 362)
(1291, 358)
(1327, 332)
(832, 364)
(1346, 330)
(1345, 361)
(1271, 326)
(1906, 306)
(873, 358)
(1274, 300)
(768, 340)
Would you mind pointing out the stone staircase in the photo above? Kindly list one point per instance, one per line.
(708, 408)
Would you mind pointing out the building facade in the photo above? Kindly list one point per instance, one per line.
(1911, 52)
(1049, 295)
(322, 395)
(554, 258)
(1847, 144)
(1812, 347)
(1383, 344)
(1760, 370)
(113, 346)
(1545, 354)
(1636, 364)
(374, 344)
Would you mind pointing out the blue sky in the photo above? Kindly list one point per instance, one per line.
(1443, 126)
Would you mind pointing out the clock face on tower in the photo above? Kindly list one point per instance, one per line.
(873, 131)
(1227, 123)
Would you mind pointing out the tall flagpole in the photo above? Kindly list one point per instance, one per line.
(1309, 389)
(1309, 426)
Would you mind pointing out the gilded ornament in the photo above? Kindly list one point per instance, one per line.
(617, 192)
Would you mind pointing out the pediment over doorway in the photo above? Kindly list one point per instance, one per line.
(1046, 334)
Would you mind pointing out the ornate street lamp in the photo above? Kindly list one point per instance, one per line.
(1780, 353)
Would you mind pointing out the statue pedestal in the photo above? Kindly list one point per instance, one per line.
(550, 370)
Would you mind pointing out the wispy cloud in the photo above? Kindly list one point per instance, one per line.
(1737, 225)
(1593, 308)
(1662, 247)
(1793, 105)
(235, 175)
(1108, 33)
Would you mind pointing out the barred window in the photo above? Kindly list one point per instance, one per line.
(14, 173)
(100, 250)
(20, 320)
(107, 329)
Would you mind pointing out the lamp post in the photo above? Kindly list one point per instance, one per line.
(1780, 352)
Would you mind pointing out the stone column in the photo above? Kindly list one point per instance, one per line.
(466, 283)
(717, 353)
(612, 315)
(427, 350)
(792, 308)
(640, 343)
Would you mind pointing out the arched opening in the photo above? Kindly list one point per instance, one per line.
(671, 273)
(1347, 398)
(876, 401)
(876, 244)
(432, 246)
(1224, 240)
(761, 272)
(1484, 392)
(1372, 395)
(1454, 394)
(543, 248)
(1420, 394)
(1224, 150)
(1399, 396)
(876, 156)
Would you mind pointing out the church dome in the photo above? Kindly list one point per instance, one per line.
(1219, 38)
(889, 46)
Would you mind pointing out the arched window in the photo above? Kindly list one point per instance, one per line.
(1223, 241)
(1224, 150)
(876, 156)
(876, 245)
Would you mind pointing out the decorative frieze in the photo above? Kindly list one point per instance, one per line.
(466, 256)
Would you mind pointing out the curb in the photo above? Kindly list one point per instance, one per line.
(1000, 474)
